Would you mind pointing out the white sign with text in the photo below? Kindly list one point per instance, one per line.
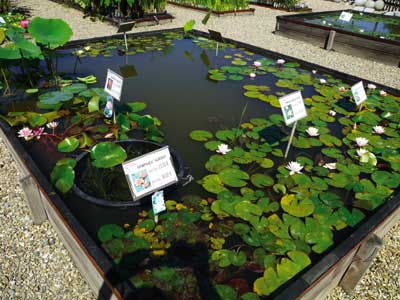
(293, 108)
(359, 93)
(150, 172)
(345, 16)
(2, 20)
(113, 85)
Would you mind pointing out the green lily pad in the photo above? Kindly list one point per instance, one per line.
(261, 180)
(297, 207)
(233, 177)
(108, 232)
(50, 32)
(74, 88)
(136, 106)
(213, 184)
(391, 180)
(107, 155)
(55, 97)
(62, 177)
(217, 163)
(201, 135)
(69, 144)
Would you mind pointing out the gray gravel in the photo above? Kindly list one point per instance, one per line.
(35, 265)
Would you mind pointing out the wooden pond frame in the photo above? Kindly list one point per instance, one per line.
(343, 264)
(356, 44)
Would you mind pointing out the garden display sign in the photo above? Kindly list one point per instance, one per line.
(358, 92)
(216, 36)
(150, 172)
(113, 85)
(345, 16)
(293, 109)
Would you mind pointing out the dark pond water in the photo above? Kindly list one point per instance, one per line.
(362, 23)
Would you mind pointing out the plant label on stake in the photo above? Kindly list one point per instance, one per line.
(113, 85)
(2, 21)
(124, 28)
(150, 172)
(216, 36)
(345, 16)
(359, 94)
(158, 203)
(293, 109)
(109, 108)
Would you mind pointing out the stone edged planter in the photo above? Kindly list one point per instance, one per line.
(239, 12)
(313, 283)
(356, 44)
(179, 167)
(271, 6)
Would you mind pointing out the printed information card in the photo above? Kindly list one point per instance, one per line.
(359, 93)
(158, 203)
(293, 108)
(150, 172)
(345, 16)
(113, 85)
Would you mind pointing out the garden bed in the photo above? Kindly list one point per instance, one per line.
(272, 5)
(238, 12)
(147, 20)
(374, 40)
(69, 214)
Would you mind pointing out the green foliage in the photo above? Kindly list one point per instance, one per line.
(107, 155)
(51, 33)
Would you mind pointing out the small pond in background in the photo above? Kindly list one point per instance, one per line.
(385, 27)
(253, 223)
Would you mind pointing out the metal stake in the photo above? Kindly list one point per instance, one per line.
(290, 139)
(216, 52)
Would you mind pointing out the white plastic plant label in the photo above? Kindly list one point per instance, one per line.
(158, 203)
(345, 16)
(2, 21)
(113, 85)
(293, 108)
(359, 93)
(150, 172)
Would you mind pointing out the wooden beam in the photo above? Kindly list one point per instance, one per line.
(33, 197)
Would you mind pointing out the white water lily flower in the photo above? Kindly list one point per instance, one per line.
(332, 113)
(294, 167)
(312, 131)
(280, 61)
(223, 149)
(314, 71)
(52, 125)
(252, 75)
(361, 30)
(382, 93)
(378, 129)
(361, 142)
(322, 81)
(257, 64)
(330, 166)
(87, 48)
(79, 52)
(371, 86)
(361, 152)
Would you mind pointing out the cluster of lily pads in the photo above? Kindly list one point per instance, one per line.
(384, 27)
(262, 213)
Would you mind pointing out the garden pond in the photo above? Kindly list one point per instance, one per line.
(252, 220)
(379, 26)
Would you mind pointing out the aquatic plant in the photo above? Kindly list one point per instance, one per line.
(216, 5)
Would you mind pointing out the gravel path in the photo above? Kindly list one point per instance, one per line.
(35, 265)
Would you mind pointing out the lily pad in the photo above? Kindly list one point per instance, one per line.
(109, 231)
(201, 135)
(55, 97)
(107, 155)
(63, 176)
(297, 207)
(261, 180)
(69, 144)
(233, 177)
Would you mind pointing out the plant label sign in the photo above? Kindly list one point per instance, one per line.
(293, 108)
(359, 93)
(216, 36)
(150, 172)
(158, 203)
(2, 21)
(345, 16)
(114, 84)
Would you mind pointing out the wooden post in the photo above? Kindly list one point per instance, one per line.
(330, 40)
(361, 262)
(33, 197)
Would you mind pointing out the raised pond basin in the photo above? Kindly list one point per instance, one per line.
(253, 224)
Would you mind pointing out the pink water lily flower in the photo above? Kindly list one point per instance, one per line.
(25, 133)
(382, 93)
(312, 131)
(280, 61)
(257, 64)
(223, 149)
(24, 24)
(332, 113)
(37, 132)
(52, 125)
(378, 129)
(361, 142)
(322, 81)
(342, 89)
(371, 86)
(294, 167)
